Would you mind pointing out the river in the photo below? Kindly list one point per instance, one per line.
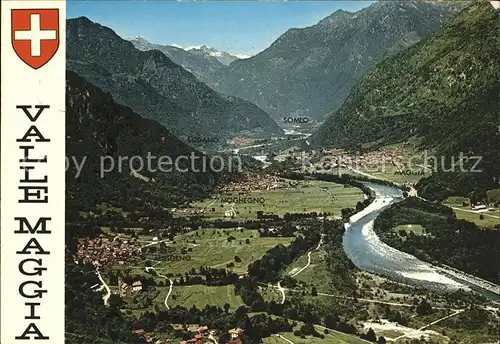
(369, 253)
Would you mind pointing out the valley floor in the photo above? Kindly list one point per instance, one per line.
(169, 262)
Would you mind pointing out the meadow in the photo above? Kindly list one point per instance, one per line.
(185, 296)
(201, 295)
(138, 303)
(317, 273)
(215, 248)
(413, 228)
(488, 219)
(307, 196)
(330, 338)
(391, 173)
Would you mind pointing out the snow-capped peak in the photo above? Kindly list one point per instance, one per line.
(223, 56)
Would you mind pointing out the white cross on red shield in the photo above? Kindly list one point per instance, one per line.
(35, 35)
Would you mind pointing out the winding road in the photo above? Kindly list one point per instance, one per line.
(108, 291)
(154, 243)
(282, 291)
(309, 257)
(285, 339)
(171, 284)
(169, 290)
(458, 311)
(342, 333)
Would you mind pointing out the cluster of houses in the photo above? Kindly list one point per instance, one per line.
(256, 182)
(150, 338)
(241, 141)
(126, 289)
(103, 251)
(373, 158)
(326, 158)
(235, 336)
(332, 151)
(379, 157)
(201, 335)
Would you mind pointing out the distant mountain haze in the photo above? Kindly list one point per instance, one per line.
(152, 85)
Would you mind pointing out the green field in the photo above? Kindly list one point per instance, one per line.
(486, 222)
(316, 273)
(330, 338)
(490, 218)
(210, 248)
(141, 302)
(307, 196)
(457, 201)
(413, 228)
(389, 172)
(201, 295)
(185, 296)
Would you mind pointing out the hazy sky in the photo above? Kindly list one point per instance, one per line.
(238, 27)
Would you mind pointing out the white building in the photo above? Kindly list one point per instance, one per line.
(137, 286)
(480, 207)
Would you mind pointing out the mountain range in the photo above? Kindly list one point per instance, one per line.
(443, 90)
(128, 102)
(310, 71)
(154, 86)
(223, 56)
(199, 61)
(96, 126)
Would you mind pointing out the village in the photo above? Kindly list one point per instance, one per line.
(326, 158)
(103, 251)
(333, 157)
(263, 182)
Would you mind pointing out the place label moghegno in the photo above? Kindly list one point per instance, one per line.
(33, 171)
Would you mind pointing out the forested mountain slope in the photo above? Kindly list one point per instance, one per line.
(309, 71)
(443, 90)
(103, 131)
(157, 88)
